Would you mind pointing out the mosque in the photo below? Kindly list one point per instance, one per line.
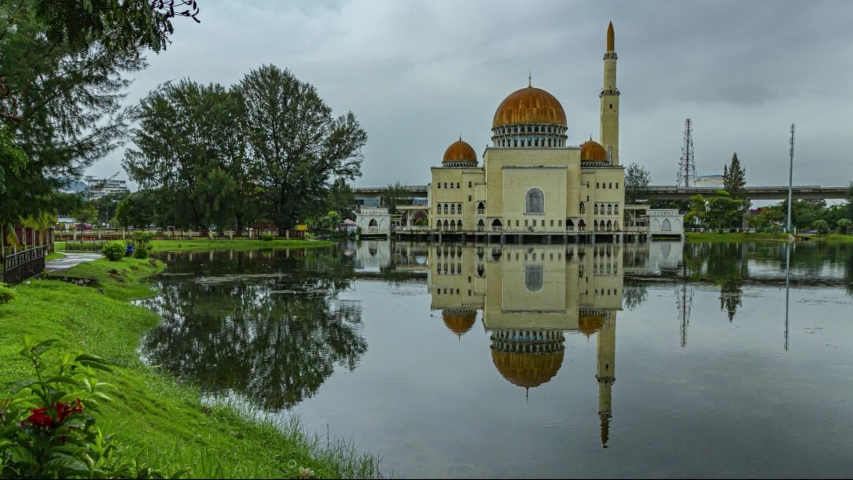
(531, 298)
(532, 179)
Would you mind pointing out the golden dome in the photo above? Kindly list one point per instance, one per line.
(589, 324)
(527, 370)
(592, 151)
(529, 105)
(459, 323)
(460, 151)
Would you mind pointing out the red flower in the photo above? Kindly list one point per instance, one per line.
(40, 418)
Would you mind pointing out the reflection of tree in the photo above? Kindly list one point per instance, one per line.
(273, 330)
(634, 294)
(730, 297)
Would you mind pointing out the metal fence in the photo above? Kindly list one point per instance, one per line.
(24, 265)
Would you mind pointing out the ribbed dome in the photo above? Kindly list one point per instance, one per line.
(589, 324)
(459, 323)
(592, 151)
(530, 105)
(527, 370)
(460, 151)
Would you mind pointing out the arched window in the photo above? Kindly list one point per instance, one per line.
(609, 225)
(439, 184)
(616, 209)
(453, 209)
(610, 185)
(597, 185)
(459, 209)
(534, 277)
(666, 226)
(451, 184)
(595, 209)
(445, 208)
(535, 201)
(457, 185)
(583, 208)
(610, 209)
(617, 185)
(372, 223)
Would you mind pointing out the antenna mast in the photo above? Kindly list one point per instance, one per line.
(790, 181)
(687, 164)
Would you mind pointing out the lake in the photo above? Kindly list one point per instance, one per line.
(659, 359)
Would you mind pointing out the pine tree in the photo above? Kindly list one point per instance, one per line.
(734, 182)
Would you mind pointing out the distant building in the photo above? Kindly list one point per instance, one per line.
(708, 181)
(374, 221)
(665, 221)
(101, 187)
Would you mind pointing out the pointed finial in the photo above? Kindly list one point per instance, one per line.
(529, 79)
(527, 394)
(460, 137)
(611, 38)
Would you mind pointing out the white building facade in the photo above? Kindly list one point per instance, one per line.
(665, 221)
(373, 221)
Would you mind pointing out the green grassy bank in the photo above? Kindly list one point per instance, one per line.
(194, 245)
(152, 415)
(827, 237)
(735, 237)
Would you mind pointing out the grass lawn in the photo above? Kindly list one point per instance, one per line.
(152, 415)
(735, 237)
(206, 244)
(54, 256)
(827, 237)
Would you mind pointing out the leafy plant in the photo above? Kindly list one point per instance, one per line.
(267, 237)
(140, 252)
(114, 251)
(6, 294)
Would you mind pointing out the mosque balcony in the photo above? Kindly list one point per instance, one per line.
(609, 92)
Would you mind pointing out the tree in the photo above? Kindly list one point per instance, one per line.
(637, 180)
(297, 148)
(139, 209)
(843, 225)
(341, 199)
(723, 211)
(734, 182)
(396, 194)
(189, 148)
(821, 226)
(63, 68)
(698, 209)
(850, 201)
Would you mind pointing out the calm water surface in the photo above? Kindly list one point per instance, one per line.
(656, 359)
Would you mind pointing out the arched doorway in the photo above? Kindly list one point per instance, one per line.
(609, 225)
(595, 225)
(481, 225)
(666, 226)
(496, 225)
(581, 225)
(570, 225)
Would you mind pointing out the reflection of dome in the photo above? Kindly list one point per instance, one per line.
(589, 324)
(527, 358)
(592, 151)
(530, 105)
(527, 370)
(460, 151)
(459, 321)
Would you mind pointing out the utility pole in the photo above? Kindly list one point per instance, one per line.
(790, 180)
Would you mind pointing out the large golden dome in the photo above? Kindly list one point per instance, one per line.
(460, 151)
(527, 370)
(530, 105)
(459, 323)
(589, 324)
(592, 151)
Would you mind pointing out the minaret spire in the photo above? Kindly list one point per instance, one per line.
(530, 79)
(611, 38)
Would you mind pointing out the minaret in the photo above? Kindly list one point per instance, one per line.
(610, 101)
(606, 372)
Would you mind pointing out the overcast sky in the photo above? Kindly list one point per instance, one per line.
(419, 74)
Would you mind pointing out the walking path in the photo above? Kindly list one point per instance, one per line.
(70, 260)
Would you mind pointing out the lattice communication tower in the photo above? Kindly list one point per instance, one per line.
(687, 164)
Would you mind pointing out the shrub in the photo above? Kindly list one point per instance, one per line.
(267, 237)
(114, 251)
(6, 294)
(142, 239)
(140, 252)
(47, 429)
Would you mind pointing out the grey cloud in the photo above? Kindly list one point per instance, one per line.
(419, 74)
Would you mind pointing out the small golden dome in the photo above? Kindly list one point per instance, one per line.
(592, 151)
(530, 105)
(459, 324)
(460, 151)
(589, 324)
(527, 370)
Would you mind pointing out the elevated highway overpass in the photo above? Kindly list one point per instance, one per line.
(808, 192)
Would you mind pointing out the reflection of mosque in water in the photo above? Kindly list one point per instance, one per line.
(531, 298)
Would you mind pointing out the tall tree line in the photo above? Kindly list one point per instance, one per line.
(267, 149)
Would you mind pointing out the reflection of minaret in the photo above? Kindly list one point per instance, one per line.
(787, 288)
(606, 373)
